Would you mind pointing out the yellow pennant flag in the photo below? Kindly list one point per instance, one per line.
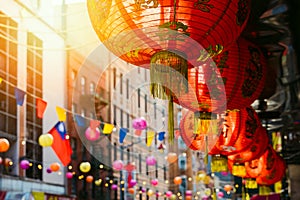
(108, 128)
(150, 137)
(61, 114)
(1, 80)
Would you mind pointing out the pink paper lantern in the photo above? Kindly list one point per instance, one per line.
(118, 165)
(132, 182)
(220, 194)
(91, 134)
(169, 194)
(188, 193)
(24, 164)
(139, 124)
(69, 175)
(114, 187)
(143, 190)
(1, 160)
(154, 182)
(151, 160)
(48, 170)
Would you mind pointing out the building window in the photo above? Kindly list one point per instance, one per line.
(74, 108)
(8, 71)
(121, 83)
(73, 75)
(139, 98)
(154, 105)
(83, 112)
(121, 117)
(82, 85)
(92, 88)
(127, 88)
(114, 77)
(34, 125)
(146, 109)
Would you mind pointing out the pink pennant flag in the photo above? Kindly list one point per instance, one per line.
(40, 107)
(94, 124)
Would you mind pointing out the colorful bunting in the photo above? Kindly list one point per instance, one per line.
(122, 134)
(40, 107)
(150, 137)
(19, 94)
(108, 128)
(161, 136)
(61, 145)
(94, 124)
(138, 132)
(80, 120)
(61, 114)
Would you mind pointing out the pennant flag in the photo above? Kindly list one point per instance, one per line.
(61, 145)
(19, 94)
(138, 132)
(108, 128)
(61, 114)
(94, 124)
(150, 137)
(1, 80)
(122, 134)
(161, 136)
(80, 120)
(40, 107)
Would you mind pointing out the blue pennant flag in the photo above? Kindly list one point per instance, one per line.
(19, 94)
(161, 136)
(80, 120)
(122, 134)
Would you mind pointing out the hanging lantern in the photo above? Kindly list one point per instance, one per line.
(48, 170)
(150, 192)
(204, 134)
(163, 35)
(154, 182)
(273, 168)
(242, 132)
(118, 165)
(55, 167)
(255, 149)
(1, 160)
(251, 183)
(235, 83)
(24, 164)
(92, 134)
(228, 188)
(131, 190)
(69, 175)
(172, 157)
(177, 180)
(46, 140)
(237, 169)
(114, 187)
(98, 182)
(85, 167)
(89, 179)
(139, 123)
(8, 162)
(4, 145)
(151, 161)
(132, 183)
(169, 194)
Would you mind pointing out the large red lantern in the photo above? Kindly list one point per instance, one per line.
(167, 35)
(238, 81)
(137, 30)
(273, 167)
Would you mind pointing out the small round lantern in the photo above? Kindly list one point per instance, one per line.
(172, 157)
(220, 194)
(98, 182)
(132, 183)
(89, 179)
(1, 160)
(177, 180)
(85, 167)
(173, 197)
(154, 182)
(139, 124)
(24, 164)
(92, 134)
(169, 194)
(151, 161)
(7, 162)
(227, 188)
(69, 175)
(150, 192)
(48, 170)
(143, 190)
(4, 145)
(114, 187)
(46, 140)
(55, 167)
(131, 190)
(118, 165)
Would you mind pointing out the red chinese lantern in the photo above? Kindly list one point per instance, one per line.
(273, 168)
(131, 190)
(165, 35)
(235, 83)
(177, 180)
(55, 167)
(137, 30)
(89, 179)
(255, 150)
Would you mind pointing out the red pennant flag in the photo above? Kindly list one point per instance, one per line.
(61, 145)
(94, 124)
(40, 107)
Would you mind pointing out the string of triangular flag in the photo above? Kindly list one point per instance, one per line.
(107, 128)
